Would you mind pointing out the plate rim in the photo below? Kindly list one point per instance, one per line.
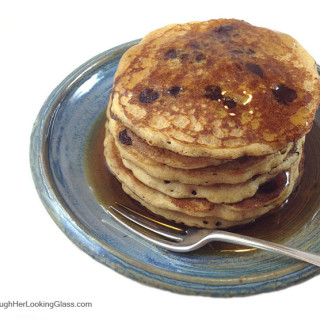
(79, 234)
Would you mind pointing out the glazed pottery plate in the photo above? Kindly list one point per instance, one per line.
(76, 188)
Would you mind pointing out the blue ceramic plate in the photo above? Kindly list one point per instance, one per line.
(75, 187)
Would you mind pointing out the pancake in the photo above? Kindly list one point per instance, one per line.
(206, 121)
(201, 207)
(163, 156)
(181, 218)
(135, 148)
(233, 172)
(217, 193)
(170, 158)
(221, 88)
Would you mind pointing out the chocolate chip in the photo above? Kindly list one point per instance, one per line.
(170, 54)
(242, 50)
(205, 222)
(200, 57)
(174, 91)
(166, 181)
(124, 138)
(148, 95)
(230, 103)
(254, 68)
(195, 45)
(194, 192)
(236, 51)
(224, 29)
(218, 224)
(284, 94)
(184, 56)
(213, 93)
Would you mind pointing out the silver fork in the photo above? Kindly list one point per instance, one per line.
(185, 240)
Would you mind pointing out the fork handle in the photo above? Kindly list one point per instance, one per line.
(226, 236)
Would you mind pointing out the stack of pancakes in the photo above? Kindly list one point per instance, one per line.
(206, 121)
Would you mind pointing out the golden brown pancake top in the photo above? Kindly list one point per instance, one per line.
(218, 84)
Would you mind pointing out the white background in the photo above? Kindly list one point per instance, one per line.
(41, 42)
